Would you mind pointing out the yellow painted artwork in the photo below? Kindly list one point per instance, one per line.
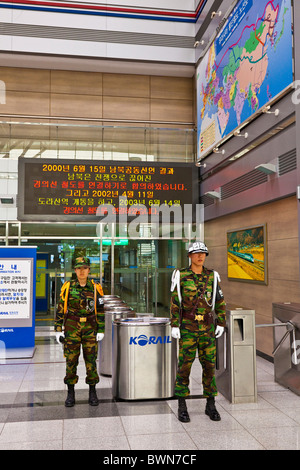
(246, 254)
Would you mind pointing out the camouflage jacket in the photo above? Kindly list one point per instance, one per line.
(81, 303)
(191, 286)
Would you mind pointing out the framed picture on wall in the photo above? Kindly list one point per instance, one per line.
(247, 254)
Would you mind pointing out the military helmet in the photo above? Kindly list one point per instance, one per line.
(197, 247)
(82, 261)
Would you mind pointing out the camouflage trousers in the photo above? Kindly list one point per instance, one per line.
(79, 334)
(203, 341)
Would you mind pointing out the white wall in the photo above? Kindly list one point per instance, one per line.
(47, 43)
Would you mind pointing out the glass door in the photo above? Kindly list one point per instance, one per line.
(142, 273)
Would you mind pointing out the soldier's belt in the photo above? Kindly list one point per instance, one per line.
(206, 318)
(81, 318)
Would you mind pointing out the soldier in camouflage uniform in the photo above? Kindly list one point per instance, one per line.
(81, 313)
(196, 293)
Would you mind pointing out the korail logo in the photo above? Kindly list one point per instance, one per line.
(142, 340)
(6, 330)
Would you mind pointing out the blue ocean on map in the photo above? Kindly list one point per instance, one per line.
(248, 65)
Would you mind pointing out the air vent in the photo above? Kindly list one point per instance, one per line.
(247, 181)
(206, 201)
(96, 35)
(287, 162)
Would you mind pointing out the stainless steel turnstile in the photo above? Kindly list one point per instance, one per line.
(286, 345)
(236, 357)
(144, 359)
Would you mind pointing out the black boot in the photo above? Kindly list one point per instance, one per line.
(70, 401)
(183, 414)
(93, 399)
(211, 410)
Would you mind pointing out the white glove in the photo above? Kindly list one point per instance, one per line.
(99, 336)
(219, 331)
(59, 334)
(175, 332)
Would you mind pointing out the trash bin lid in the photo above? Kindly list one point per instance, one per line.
(141, 321)
(117, 311)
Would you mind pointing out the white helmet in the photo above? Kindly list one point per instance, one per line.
(198, 247)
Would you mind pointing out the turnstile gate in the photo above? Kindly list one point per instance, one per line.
(236, 357)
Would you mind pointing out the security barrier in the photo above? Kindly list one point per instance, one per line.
(286, 361)
(236, 357)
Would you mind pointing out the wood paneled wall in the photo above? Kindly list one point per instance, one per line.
(283, 262)
(92, 95)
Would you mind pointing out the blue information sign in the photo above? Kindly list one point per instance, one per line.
(17, 301)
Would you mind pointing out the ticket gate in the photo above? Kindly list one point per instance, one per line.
(286, 345)
(236, 356)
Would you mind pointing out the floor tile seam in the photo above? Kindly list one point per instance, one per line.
(264, 399)
(267, 426)
(221, 433)
(236, 421)
(191, 437)
(166, 433)
(45, 439)
(278, 409)
(1, 428)
(270, 428)
(125, 434)
(33, 443)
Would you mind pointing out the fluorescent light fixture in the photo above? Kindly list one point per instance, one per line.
(213, 194)
(7, 200)
(267, 168)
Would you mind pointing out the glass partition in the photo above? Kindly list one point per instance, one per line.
(92, 141)
(137, 269)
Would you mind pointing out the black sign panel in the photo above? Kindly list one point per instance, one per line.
(80, 190)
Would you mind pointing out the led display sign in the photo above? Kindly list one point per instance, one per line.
(64, 190)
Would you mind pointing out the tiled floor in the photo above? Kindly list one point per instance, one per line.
(33, 415)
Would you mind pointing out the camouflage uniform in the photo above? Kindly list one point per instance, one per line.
(196, 334)
(80, 328)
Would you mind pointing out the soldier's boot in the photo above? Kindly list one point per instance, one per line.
(183, 414)
(211, 410)
(93, 399)
(70, 401)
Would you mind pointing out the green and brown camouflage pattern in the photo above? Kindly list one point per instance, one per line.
(191, 284)
(80, 303)
(76, 334)
(204, 342)
(82, 261)
(196, 335)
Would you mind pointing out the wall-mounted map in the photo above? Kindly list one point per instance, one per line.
(247, 66)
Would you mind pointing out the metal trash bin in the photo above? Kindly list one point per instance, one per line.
(105, 346)
(236, 357)
(286, 362)
(144, 359)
